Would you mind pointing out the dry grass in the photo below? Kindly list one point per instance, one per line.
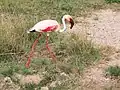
(18, 16)
(73, 54)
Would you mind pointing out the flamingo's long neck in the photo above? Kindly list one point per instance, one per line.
(64, 25)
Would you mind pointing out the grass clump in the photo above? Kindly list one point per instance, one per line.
(8, 70)
(112, 1)
(78, 52)
(113, 71)
(28, 86)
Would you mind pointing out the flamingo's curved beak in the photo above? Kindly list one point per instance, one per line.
(72, 23)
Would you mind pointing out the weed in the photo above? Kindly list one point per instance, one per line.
(112, 1)
(28, 87)
(113, 71)
(77, 51)
(9, 70)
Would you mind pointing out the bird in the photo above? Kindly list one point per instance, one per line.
(47, 26)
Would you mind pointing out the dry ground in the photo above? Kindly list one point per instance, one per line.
(103, 28)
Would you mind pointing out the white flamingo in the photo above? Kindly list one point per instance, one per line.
(48, 26)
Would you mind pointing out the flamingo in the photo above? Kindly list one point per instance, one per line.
(48, 26)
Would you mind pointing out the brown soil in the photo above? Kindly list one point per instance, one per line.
(103, 28)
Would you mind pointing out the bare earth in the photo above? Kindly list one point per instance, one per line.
(103, 27)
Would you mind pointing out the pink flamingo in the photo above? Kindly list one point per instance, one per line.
(48, 26)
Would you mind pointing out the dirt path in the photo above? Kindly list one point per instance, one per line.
(94, 78)
(103, 27)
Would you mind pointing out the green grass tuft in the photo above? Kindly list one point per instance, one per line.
(113, 71)
(77, 51)
(28, 87)
(112, 1)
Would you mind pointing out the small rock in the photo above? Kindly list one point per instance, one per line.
(53, 84)
(18, 76)
(95, 18)
(44, 88)
(59, 82)
(88, 33)
(8, 80)
(63, 74)
(35, 79)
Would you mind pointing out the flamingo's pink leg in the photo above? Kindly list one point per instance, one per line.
(49, 50)
(32, 51)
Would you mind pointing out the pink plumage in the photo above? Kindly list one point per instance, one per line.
(48, 26)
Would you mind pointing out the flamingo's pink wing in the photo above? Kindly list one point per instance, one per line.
(46, 25)
(50, 28)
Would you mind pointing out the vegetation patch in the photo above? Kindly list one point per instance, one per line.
(77, 51)
(112, 1)
(113, 71)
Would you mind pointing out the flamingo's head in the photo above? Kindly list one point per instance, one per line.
(69, 19)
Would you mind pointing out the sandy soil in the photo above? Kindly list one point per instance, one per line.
(103, 28)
